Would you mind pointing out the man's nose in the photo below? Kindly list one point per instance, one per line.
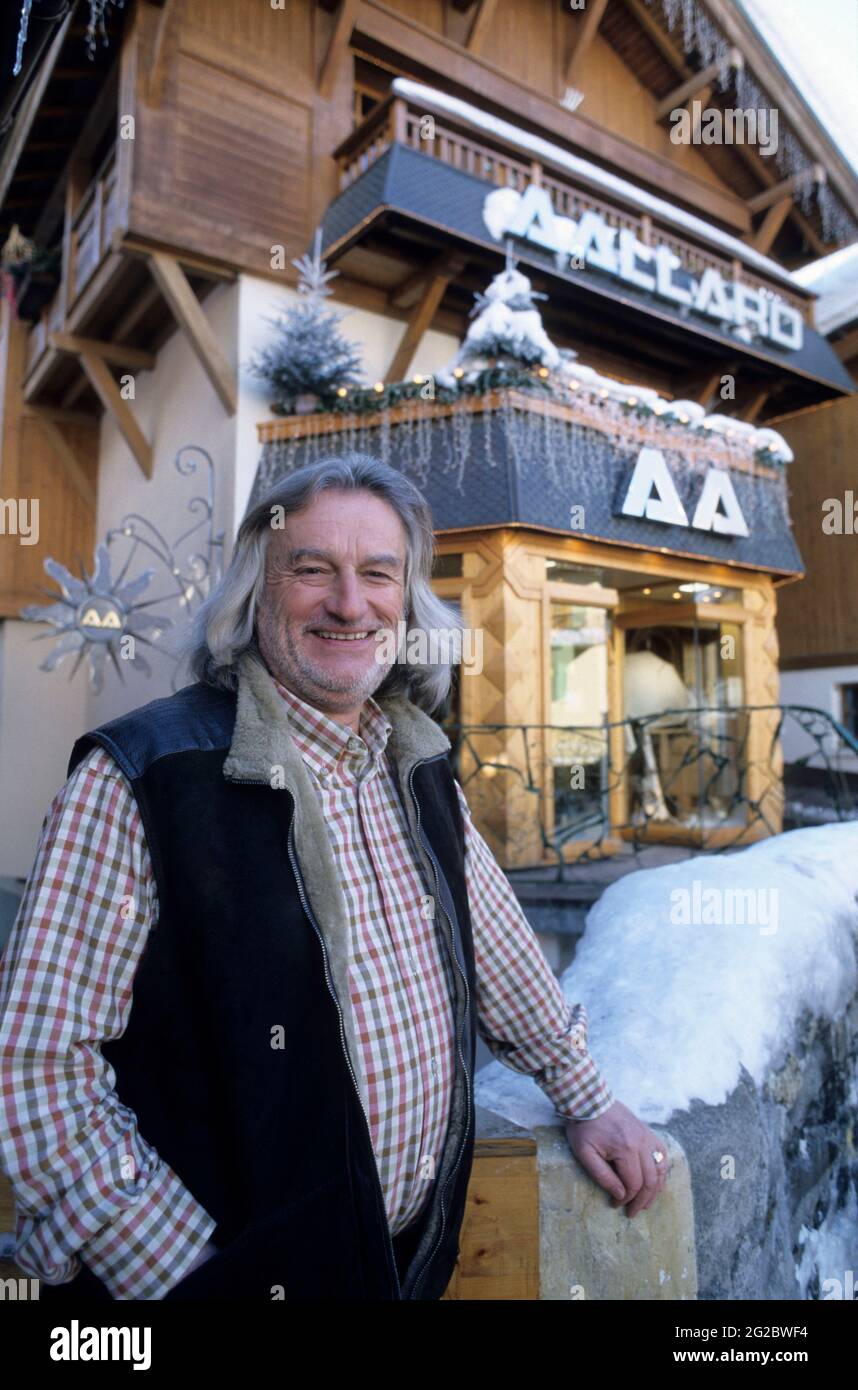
(346, 598)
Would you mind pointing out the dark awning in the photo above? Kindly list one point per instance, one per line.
(405, 186)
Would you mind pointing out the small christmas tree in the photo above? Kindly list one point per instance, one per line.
(507, 331)
(310, 359)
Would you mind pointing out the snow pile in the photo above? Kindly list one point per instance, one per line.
(692, 970)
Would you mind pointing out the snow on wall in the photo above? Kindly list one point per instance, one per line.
(675, 1007)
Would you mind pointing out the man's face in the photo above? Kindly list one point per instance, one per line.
(334, 570)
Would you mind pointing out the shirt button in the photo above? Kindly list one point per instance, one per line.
(434, 1067)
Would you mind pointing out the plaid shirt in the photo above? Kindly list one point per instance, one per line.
(70, 1146)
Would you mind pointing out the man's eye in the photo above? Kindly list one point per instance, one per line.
(378, 574)
(309, 569)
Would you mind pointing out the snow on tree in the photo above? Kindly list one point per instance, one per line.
(311, 358)
(507, 330)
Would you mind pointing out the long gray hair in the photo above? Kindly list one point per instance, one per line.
(225, 626)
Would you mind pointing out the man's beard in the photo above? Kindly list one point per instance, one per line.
(299, 674)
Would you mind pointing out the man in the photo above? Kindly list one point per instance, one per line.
(241, 997)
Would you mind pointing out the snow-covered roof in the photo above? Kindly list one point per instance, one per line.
(591, 173)
(835, 279)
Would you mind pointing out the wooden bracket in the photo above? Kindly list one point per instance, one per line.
(185, 307)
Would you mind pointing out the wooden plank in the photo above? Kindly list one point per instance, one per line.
(28, 113)
(185, 307)
(481, 24)
(108, 393)
(337, 47)
(499, 1237)
(119, 353)
(764, 237)
(585, 30)
(65, 452)
(162, 49)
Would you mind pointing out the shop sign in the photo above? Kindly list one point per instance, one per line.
(652, 494)
(656, 269)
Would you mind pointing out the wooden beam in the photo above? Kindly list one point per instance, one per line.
(67, 456)
(29, 110)
(708, 389)
(186, 310)
(421, 318)
(337, 47)
(58, 414)
(108, 393)
(692, 85)
(758, 400)
(481, 24)
(847, 347)
(585, 30)
(754, 161)
(816, 174)
(443, 264)
(764, 237)
(162, 50)
(111, 398)
(119, 353)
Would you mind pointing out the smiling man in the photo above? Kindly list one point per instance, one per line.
(241, 998)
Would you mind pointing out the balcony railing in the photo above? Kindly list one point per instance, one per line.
(85, 247)
(452, 141)
(703, 779)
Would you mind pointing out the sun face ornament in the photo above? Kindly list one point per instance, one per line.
(98, 618)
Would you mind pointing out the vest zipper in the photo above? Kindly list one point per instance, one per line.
(430, 1257)
(290, 846)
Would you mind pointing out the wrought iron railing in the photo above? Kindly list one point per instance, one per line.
(698, 779)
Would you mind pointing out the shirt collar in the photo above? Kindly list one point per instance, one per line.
(323, 742)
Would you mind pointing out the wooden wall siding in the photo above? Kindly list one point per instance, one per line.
(614, 98)
(30, 468)
(818, 617)
(222, 165)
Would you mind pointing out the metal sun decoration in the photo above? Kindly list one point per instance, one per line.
(96, 612)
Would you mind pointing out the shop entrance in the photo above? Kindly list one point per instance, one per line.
(686, 731)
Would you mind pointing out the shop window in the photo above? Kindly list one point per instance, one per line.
(578, 750)
(557, 571)
(684, 688)
(447, 566)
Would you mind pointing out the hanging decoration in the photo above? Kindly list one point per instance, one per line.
(701, 35)
(95, 28)
(311, 358)
(101, 618)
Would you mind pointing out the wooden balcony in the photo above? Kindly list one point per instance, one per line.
(86, 245)
(458, 144)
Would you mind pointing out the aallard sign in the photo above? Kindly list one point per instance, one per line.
(655, 269)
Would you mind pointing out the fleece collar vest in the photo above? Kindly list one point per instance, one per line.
(252, 940)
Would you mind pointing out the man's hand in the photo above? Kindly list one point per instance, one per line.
(616, 1150)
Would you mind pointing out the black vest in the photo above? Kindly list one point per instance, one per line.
(272, 1140)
